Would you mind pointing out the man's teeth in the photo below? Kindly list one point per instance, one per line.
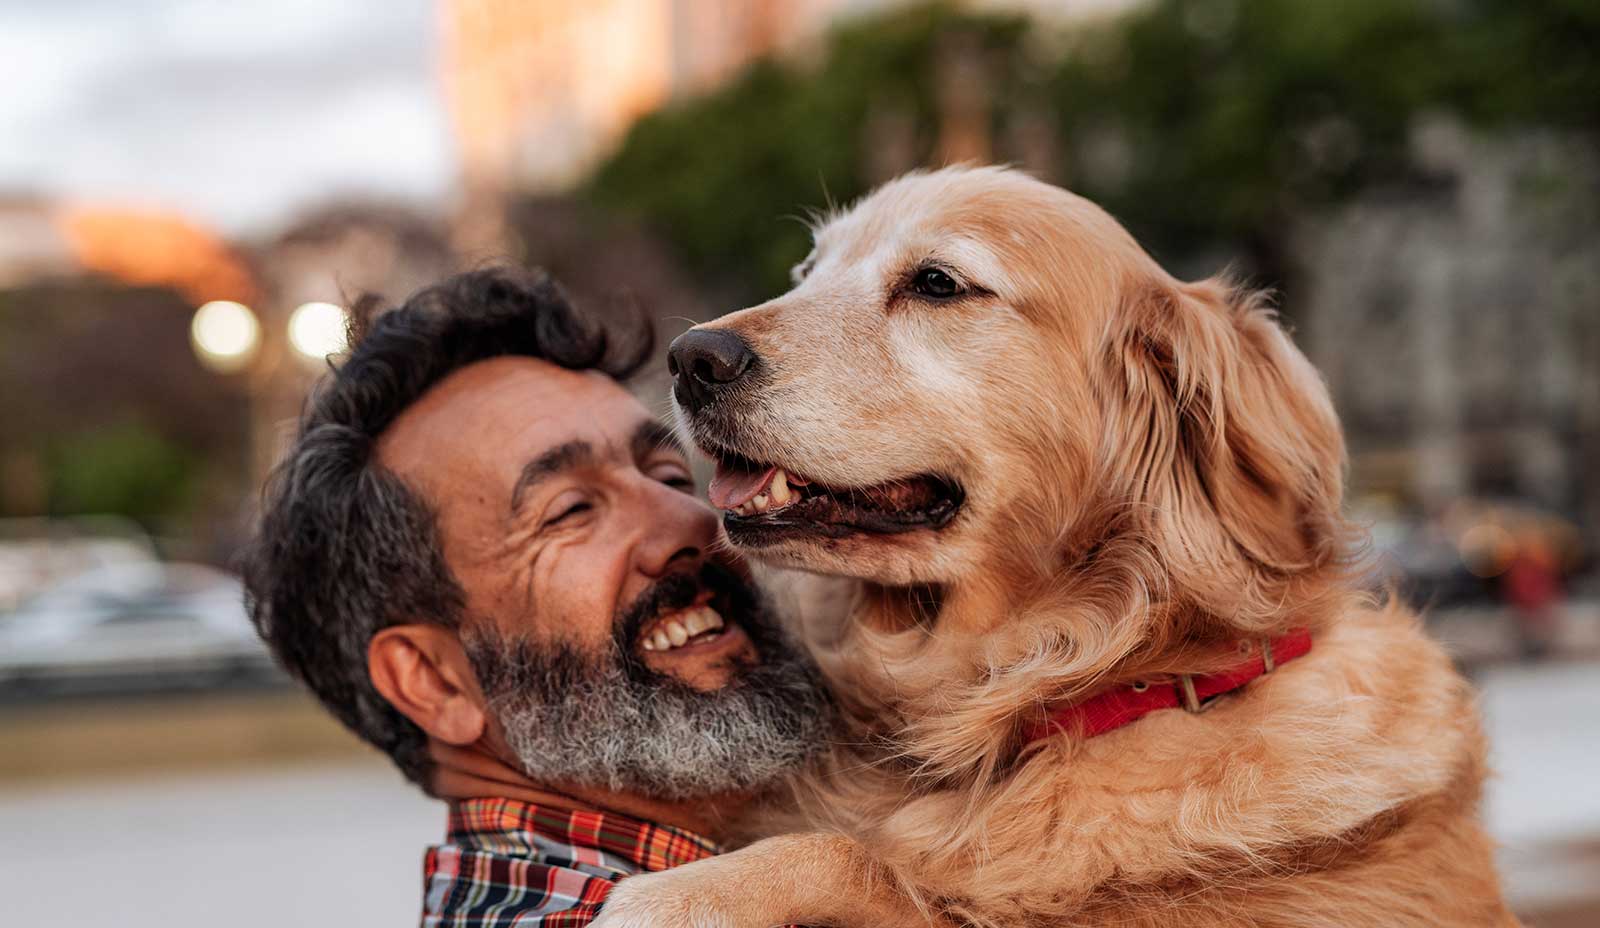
(676, 630)
(777, 496)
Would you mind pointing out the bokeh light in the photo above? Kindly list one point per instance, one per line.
(317, 330)
(225, 335)
(1487, 549)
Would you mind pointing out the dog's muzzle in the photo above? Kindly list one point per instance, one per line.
(705, 363)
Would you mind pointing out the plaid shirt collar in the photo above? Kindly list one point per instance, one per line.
(510, 863)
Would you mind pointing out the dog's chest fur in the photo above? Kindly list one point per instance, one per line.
(1341, 790)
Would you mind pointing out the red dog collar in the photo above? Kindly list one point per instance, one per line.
(1126, 704)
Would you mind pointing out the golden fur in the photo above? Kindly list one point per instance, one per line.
(1152, 472)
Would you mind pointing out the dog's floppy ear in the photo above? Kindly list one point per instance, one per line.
(1235, 449)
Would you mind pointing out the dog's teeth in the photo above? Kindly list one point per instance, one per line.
(780, 488)
(760, 502)
(662, 642)
(677, 633)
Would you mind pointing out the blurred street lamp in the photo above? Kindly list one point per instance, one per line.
(225, 335)
(317, 330)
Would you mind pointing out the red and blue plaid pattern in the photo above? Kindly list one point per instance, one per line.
(507, 863)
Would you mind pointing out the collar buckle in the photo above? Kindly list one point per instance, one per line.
(1192, 703)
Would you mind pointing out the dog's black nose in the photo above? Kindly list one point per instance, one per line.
(703, 361)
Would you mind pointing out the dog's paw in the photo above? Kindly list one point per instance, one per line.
(668, 899)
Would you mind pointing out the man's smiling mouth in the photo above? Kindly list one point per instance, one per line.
(698, 624)
(765, 503)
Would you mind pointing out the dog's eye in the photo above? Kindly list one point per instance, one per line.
(799, 271)
(934, 284)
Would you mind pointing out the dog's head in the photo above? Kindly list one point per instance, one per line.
(975, 369)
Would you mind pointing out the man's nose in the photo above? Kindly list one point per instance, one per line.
(677, 532)
(704, 363)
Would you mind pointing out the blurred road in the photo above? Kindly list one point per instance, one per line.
(1544, 803)
(337, 839)
(329, 846)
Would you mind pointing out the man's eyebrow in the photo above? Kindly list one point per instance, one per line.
(561, 458)
(654, 435)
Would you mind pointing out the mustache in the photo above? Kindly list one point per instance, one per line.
(679, 590)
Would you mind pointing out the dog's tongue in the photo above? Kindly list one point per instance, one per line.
(734, 485)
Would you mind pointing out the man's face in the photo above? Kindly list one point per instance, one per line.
(610, 640)
(561, 501)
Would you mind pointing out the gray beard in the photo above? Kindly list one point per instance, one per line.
(605, 720)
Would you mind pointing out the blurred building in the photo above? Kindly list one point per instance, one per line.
(1474, 292)
(41, 237)
(343, 251)
(112, 399)
(32, 242)
(106, 408)
(334, 255)
(540, 90)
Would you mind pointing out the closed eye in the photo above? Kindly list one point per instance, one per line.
(675, 476)
(575, 509)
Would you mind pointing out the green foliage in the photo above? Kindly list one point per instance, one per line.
(1237, 116)
(1203, 124)
(1232, 116)
(126, 470)
(1528, 62)
(729, 177)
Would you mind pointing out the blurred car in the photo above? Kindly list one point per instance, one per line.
(140, 626)
(36, 554)
(1459, 557)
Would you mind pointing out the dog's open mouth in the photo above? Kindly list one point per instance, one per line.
(765, 503)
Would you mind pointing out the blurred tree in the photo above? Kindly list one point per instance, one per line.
(1206, 125)
(1528, 62)
(1229, 119)
(1224, 120)
(725, 176)
(127, 469)
(107, 410)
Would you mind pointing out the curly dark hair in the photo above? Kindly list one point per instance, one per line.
(345, 547)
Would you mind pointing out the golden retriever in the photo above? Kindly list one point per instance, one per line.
(1053, 472)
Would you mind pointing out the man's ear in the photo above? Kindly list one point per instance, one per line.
(423, 672)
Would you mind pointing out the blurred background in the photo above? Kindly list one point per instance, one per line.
(191, 192)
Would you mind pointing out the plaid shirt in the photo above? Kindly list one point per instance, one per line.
(507, 863)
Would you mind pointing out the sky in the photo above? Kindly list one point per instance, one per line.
(239, 113)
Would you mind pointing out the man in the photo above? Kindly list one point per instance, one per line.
(486, 558)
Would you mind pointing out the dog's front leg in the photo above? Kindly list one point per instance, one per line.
(809, 879)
